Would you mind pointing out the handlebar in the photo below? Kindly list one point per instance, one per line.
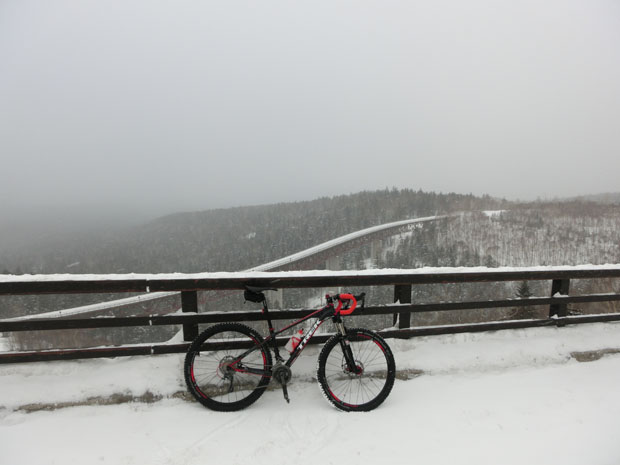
(341, 298)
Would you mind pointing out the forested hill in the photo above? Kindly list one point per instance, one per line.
(552, 233)
(234, 238)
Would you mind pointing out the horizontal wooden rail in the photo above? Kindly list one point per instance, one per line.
(189, 285)
(219, 317)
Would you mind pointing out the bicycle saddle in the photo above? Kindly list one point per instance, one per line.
(255, 294)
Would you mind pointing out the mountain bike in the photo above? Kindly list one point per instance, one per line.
(229, 365)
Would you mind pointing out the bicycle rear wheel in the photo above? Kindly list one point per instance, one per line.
(216, 375)
(368, 385)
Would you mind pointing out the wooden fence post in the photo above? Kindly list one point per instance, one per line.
(402, 294)
(189, 303)
(559, 286)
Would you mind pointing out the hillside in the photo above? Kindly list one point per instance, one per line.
(232, 239)
(606, 198)
(560, 233)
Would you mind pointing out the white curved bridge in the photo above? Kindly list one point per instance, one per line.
(323, 251)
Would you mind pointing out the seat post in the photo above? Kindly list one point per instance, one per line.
(272, 332)
(266, 313)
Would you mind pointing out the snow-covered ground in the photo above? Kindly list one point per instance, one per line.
(510, 397)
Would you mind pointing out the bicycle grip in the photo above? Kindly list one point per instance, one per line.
(348, 311)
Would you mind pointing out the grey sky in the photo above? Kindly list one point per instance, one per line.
(198, 104)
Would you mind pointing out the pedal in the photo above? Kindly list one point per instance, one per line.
(285, 392)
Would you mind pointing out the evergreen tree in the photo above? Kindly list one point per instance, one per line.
(524, 313)
(523, 291)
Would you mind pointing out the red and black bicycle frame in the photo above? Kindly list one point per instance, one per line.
(322, 314)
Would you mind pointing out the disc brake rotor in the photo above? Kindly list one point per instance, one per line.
(359, 368)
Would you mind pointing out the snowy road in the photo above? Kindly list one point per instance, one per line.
(515, 397)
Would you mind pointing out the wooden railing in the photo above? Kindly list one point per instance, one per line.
(401, 280)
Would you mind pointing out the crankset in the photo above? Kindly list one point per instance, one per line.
(282, 374)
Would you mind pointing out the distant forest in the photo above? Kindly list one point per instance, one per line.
(235, 238)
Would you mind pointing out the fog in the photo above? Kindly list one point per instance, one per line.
(159, 106)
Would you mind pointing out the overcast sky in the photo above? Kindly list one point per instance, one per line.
(199, 104)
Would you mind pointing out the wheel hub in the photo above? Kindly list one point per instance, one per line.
(224, 370)
(359, 368)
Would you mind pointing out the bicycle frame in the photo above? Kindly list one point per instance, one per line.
(321, 315)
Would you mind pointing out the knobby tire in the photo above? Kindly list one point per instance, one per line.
(369, 385)
(207, 372)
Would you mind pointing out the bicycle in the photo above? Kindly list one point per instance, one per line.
(229, 365)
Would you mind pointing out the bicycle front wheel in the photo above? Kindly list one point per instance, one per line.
(217, 373)
(367, 384)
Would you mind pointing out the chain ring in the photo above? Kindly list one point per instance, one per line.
(282, 373)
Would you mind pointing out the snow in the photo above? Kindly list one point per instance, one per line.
(492, 213)
(273, 275)
(510, 397)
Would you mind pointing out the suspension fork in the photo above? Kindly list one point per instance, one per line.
(344, 344)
